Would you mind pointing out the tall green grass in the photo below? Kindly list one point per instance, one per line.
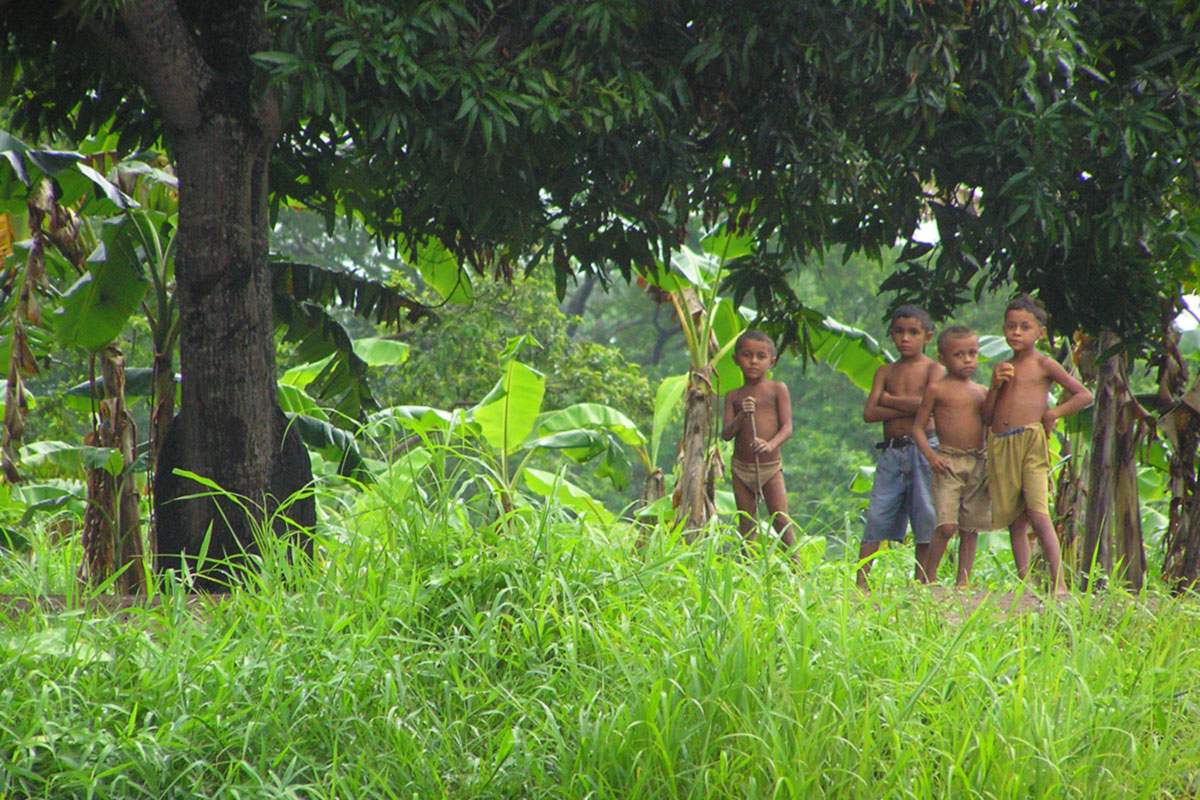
(431, 652)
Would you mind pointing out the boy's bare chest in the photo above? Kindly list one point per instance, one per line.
(1030, 378)
(765, 398)
(959, 398)
(906, 379)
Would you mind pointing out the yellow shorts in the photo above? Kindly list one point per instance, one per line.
(745, 472)
(1018, 473)
(960, 496)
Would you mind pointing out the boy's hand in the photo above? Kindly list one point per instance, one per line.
(1002, 373)
(1049, 420)
(939, 463)
(762, 447)
(748, 405)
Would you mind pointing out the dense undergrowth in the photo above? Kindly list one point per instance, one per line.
(427, 653)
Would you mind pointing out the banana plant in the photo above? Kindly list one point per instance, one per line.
(510, 427)
(711, 324)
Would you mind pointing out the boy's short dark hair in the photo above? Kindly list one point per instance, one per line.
(911, 311)
(953, 332)
(1025, 302)
(754, 335)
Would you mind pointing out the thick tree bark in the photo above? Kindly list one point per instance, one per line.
(229, 428)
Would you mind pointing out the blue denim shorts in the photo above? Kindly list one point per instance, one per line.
(901, 496)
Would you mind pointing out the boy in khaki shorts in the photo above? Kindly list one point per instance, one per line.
(1017, 451)
(960, 493)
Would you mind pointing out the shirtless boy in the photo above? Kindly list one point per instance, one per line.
(758, 417)
(960, 494)
(900, 494)
(1017, 454)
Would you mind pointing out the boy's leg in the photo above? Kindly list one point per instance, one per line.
(942, 535)
(886, 517)
(967, 542)
(775, 495)
(1043, 528)
(920, 513)
(1018, 535)
(865, 551)
(747, 505)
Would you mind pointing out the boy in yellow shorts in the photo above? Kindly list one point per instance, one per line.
(1017, 451)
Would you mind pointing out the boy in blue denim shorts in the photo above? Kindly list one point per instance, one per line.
(901, 493)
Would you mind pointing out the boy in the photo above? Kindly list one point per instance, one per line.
(758, 416)
(900, 494)
(1017, 453)
(960, 494)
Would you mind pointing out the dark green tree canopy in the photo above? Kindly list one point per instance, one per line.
(1054, 144)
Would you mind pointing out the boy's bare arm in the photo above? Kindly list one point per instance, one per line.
(921, 421)
(733, 419)
(1080, 397)
(874, 411)
(1001, 374)
(909, 403)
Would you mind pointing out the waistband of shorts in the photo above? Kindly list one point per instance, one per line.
(1013, 432)
(904, 441)
(947, 450)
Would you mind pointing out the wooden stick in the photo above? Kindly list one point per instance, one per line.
(757, 475)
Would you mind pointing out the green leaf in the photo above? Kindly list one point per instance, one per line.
(568, 494)
(593, 416)
(380, 352)
(993, 348)
(864, 479)
(727, 325)
(726, 245)
(852, 352)
(116, 199)
(507, 415)
(139, 382)
(667, 401)
(96, 308)
(294, 400)
(440, 269)
(331, 443)
(60, 458)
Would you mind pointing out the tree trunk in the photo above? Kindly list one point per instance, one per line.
(1096, 558)
(112, 525)
(1114, 522)
(229, 429)
(1181, 427)
(1070, 507)
(694, 491)
(1127, 511)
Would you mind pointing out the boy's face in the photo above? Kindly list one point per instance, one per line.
(909, 336)
(1021, 330)
(961, 356)
(754, 357)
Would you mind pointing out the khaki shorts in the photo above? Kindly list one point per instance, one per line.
(960, 496)
(1018, 474)
(745, 473)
